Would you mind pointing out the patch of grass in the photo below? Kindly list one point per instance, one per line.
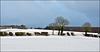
(5, 34)
(44, 33)
(1, 33)
(95, 36)
(37, 33)
(20, 33)
(88, 35)
(29, 34)
(10, 33)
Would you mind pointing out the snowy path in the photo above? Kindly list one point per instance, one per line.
(49, 43)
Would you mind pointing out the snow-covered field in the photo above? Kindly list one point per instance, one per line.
(48, 43)
(42, 30)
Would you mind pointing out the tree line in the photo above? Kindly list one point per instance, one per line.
(61, 22)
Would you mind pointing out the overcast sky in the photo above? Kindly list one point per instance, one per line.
(42, 13)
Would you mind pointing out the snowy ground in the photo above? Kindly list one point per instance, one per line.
(48, 43)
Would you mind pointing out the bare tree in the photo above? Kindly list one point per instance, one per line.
(86, 27)
(53, 26)
(61, 22)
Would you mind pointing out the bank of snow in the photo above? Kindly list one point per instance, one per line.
(49, 43)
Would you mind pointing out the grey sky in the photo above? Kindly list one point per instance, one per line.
(41, 13)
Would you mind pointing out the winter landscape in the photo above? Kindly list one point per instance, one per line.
(48, 43)
(49, 26)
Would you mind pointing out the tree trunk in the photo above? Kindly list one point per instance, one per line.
(53, 32)
(85, 32)
(59, 32)
(62, 30)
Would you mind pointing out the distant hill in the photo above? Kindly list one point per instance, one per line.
(14, 26)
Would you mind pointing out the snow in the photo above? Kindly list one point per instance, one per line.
(49, 43)
(42, 30)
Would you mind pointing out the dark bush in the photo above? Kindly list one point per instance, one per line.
(44, 33)
(37, 33)
(5, 34)
(17, 33)
(63, 34)
(1, 33)
(72, 34)
(68, 34)
(88, 35)
(95, 36)
(10, 33)
(20, 33)
(29, 34)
